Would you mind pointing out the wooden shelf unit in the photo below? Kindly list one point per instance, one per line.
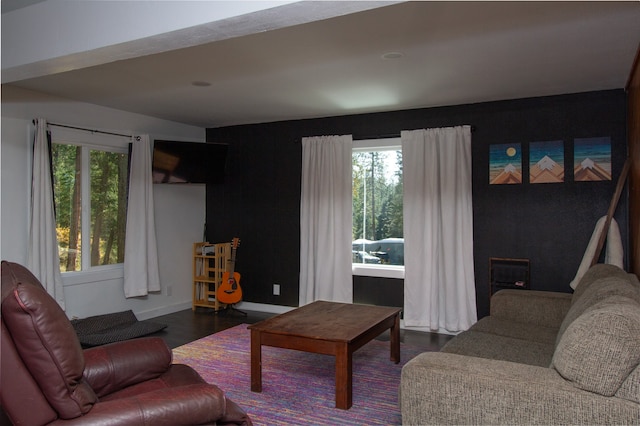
(209, 264)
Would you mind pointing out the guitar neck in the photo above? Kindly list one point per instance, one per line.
(232, 261)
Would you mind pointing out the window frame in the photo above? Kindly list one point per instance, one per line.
(88, 141)
(367, 269)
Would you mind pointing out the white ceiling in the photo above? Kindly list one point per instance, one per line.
(452, 53)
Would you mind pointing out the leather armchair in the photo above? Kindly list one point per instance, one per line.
(47, 379)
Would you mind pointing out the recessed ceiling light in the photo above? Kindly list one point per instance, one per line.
(392, 55)
(200, 83)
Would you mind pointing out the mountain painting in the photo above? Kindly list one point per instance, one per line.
(592, 159)
(546, 162)
(505, 164)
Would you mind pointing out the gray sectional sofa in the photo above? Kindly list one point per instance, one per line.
(538, 358)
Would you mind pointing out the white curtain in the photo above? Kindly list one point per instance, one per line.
(141, 274)
(439, 288)
(326, 220)
(42, 258)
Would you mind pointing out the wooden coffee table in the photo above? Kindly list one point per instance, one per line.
(328, 328)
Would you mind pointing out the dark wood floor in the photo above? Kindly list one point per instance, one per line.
(187, 326)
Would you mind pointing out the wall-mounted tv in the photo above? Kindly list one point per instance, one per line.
(188, 162)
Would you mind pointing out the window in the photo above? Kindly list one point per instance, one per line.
(378, 241)
(90, 176)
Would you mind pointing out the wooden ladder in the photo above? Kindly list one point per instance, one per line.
(612, 208)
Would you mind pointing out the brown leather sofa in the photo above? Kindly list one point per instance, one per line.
(47, 379)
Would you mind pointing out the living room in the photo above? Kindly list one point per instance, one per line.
(548, 224)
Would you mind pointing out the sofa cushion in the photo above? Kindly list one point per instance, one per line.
(603, 274)
(630, 389)
(617, 284)
(601, 347)
(46, 342)
(515, 329)
(493, 346)
(24, 390)
(534, 307)
(597, 271)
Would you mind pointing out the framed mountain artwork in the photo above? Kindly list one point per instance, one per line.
(505, 164)
(592, 159)
(546, 162)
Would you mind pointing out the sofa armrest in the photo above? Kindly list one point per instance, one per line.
(197, 404)
(117, 365)
(443, 388)
(545, 308)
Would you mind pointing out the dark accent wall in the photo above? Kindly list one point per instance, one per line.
(633, 90)
(550, 224)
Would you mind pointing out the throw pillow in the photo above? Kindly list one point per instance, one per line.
(600, 348)
(596, 292)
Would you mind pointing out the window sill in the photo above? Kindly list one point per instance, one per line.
(97, 274)
(378, 271)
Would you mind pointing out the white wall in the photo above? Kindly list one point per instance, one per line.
(14, 190)
(180, 209)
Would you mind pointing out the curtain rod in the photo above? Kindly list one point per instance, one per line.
(380, 136)
(392, 135)
(387, 136)
(91, 130)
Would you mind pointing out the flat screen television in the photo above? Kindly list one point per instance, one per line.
(188, 162)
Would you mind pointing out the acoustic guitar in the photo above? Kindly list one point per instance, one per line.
(229, 291)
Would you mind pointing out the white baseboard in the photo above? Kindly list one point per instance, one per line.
(163, 310)
(263, 307)
(177, 307)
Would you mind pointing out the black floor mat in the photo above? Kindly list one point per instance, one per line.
(102, 329)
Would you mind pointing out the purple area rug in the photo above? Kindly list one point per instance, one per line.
(298, 388)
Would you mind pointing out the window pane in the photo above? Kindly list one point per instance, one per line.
(108, 206)
(377, 208)
(101, 177)
(66, 181)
